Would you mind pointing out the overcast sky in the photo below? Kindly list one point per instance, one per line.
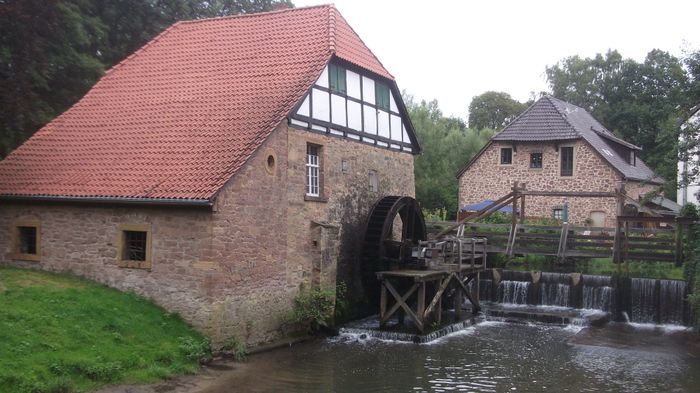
(454, 50)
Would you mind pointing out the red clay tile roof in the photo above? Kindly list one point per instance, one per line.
(179, 117)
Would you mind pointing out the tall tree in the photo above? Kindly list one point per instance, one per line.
(640, 102)
(447, 146)
(493, 110)
(53, 51)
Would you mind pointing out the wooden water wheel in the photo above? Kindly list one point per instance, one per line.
(394, 227)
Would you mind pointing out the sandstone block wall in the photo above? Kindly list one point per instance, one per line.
(347, 196)
(83, 239)
(236, 269)
(488, 179)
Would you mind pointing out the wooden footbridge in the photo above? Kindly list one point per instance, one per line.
(651, 237)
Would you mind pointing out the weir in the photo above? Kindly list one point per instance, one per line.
(643, 300)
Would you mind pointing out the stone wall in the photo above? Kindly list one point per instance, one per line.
(234, 270)
(346, 199)
(84, 240)
(486, 178)
(636, 189)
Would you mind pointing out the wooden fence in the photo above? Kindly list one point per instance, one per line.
(633, 239)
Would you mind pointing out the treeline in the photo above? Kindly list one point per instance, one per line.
(53, 51)
(647, 103)
(447, 145)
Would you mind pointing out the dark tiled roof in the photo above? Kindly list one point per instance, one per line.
(179, 117)
(551, 119)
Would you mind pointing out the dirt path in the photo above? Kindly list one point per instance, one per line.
(209, 377)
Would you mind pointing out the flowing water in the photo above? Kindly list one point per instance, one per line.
(498, 356)
(488, 357)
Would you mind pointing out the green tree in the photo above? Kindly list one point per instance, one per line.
(46, 63)
(493, 110)
(641, 102)
(53, 51)
(447, 146)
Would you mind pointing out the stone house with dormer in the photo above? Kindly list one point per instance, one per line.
(217, 170)
(557, 146)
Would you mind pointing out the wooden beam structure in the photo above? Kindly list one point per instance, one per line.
(418, 283)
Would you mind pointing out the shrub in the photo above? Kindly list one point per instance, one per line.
(236, 347)
(439, 214)
(314, 308)
(195, 350)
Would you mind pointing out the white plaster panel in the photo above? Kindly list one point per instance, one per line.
(338, 110)
(304, 108)
(352, 82)
(392, 102)
(396, 128)
(300, 123)
(370, 120)
(323, 79)
(367, 90)
(320, 102)
(354, 115)
(383, 123)
(406, 139)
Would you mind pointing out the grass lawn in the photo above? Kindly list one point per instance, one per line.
(602, 266)
(59, 333)
(605, 266)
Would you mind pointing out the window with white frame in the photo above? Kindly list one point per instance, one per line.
(313, 170)
(558, 213)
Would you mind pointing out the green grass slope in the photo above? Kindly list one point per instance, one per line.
(59, 333)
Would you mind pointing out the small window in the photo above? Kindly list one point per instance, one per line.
(567, 160)
(27, 240)
(26, 244)
(633, 158)
(506, 156)
(558, 213)
(536, 160)
(313, 170)
(381, 92)
(337, 78)
(135, 246)
(373, 181)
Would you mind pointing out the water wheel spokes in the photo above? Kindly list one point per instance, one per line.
(395, 225)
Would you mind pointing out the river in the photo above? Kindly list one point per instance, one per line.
(489, 357)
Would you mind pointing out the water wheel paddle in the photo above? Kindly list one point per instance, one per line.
(395, 225)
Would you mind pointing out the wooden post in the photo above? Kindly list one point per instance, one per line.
(421, 306)
(626, 248)
(458, 299)
(439, 307)
(522, 209)
(679, 245)
(382, 306)
(617, 254)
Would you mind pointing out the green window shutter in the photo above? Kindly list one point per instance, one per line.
(337, 76)
(381, 92)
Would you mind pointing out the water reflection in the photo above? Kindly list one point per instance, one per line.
(489, 357)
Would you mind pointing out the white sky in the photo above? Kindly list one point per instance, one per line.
(454, 50)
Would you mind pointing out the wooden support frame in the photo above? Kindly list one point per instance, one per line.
(421, 316)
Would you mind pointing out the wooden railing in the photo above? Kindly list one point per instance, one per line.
(567, 241)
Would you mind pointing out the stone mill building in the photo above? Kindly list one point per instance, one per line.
(216, 169)
(557, 146)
